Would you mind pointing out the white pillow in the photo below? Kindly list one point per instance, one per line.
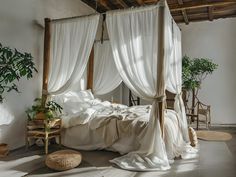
(71, 107)
(72, 96)
(85, 95)
(74, 102)
(80, 96)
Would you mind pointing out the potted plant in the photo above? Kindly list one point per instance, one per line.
(13, 66)
(49, 111)
(194, 71)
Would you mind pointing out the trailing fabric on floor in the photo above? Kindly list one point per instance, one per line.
(133, 35)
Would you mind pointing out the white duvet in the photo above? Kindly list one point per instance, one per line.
(94, 124)
(95, 111)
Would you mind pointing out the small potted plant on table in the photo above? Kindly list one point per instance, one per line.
(44, 121)
(39, 111)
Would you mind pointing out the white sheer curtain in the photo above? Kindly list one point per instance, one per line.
(133, 35)
(71, 44)
(106, 77)
(174, 75)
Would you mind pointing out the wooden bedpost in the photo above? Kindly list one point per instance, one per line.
(46, 59)
(90, 70)
(161, 44)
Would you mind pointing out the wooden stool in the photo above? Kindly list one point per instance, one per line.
(45, 129)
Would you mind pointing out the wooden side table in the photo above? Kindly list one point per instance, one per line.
(45, 129)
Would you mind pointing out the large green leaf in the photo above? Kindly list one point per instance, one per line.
(13, 66)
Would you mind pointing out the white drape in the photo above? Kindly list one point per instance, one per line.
(71, 44)
(106, 77)
(174, 74)
(133, 36)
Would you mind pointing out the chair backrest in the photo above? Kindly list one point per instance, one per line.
(170, 100)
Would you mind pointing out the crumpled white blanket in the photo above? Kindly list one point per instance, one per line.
(99, 111)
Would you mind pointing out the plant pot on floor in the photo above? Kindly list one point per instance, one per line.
(3, 150)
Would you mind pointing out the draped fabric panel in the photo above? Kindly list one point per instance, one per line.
(71, 44)
(134, 35)
(106, 77)
(174, 75)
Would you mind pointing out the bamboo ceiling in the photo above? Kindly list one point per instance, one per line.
(182, 10)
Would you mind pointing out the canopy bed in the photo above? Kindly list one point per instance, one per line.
(144, 51)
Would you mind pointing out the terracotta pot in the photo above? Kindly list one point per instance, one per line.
(3, 150)
(40, 116)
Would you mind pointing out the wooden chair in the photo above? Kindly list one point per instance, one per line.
(204, 113)
(190, 111)
(170, 100)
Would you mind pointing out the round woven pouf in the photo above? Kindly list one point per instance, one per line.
(63, 160)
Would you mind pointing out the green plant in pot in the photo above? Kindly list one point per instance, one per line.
(49, 111)
(194, 71)
(13, 66)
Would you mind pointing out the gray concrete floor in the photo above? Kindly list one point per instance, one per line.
(216, 159)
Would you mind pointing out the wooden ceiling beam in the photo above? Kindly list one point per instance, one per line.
(210, 13)
(184, 13)
(122, 3)
(104, 4)
(217, 14)
(199, 4)
(206, 18)
(140, 2)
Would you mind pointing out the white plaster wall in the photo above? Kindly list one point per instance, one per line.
(215, 40)
(18, 29)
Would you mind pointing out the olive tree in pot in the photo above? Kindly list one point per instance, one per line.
(194, 71)
(14, 65)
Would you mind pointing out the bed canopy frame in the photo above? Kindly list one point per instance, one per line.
(46, 58)
(160, 58)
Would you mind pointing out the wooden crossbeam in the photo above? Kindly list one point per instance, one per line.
(184, 13)
(210, 13)
(198, 4)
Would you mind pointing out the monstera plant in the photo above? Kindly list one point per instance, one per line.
(13, 66)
